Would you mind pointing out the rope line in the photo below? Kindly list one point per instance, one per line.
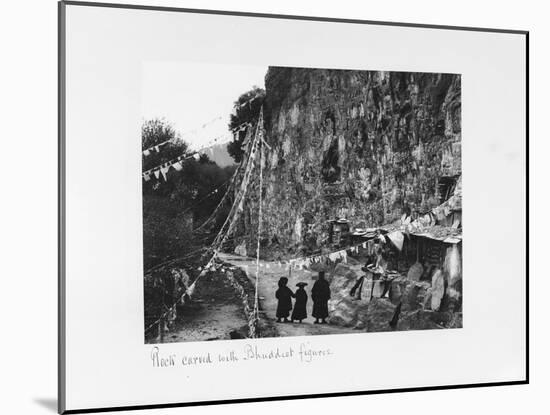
(231, 218)
(244, 188)
(225, 196)
(204, 198)
(223, 233)
(203, 126)
(259, 133)
(189, 290)
(187, 156)
(220, 237)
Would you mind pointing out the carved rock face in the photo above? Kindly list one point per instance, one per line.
(364, 142)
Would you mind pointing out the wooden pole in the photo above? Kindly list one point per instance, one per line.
(161, 330)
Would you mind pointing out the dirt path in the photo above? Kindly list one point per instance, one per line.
(267, 285)
(214, 313)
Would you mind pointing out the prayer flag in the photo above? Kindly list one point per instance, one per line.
(191, 289)
(397, 239)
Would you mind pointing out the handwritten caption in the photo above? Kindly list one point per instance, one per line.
(303, 352)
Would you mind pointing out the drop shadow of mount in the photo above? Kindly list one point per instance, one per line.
(48, 403)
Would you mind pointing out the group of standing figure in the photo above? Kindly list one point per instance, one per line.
(320, 294)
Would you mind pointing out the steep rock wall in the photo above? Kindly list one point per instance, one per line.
(358, 144)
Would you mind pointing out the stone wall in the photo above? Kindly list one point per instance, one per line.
(358, 144)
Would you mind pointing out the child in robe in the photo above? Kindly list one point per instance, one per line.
(299, 312)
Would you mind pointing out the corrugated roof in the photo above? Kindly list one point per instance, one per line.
(426, 225)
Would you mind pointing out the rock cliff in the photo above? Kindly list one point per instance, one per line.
(357, 144)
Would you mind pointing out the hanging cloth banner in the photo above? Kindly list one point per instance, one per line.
(191, 289)
(234, 212)
(164, 171)
(397, 239)
(177, 166)
(195, 155)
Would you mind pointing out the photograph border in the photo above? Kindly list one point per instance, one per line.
(62, 198)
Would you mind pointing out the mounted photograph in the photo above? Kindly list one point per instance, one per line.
(282, 195)
(286, 201)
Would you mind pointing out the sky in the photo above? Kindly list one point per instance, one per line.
(189, 95)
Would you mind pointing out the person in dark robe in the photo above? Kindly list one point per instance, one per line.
(299, 312)
(320, 294)
(284, 295)
(395, 319)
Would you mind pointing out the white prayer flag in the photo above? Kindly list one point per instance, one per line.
(397, 239)
(191, 290)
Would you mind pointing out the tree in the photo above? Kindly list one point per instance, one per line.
(187, 197)
(249, 112)
(157, 131)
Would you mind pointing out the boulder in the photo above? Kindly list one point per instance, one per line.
(341, 277)
(423, 306)
(452, 301)
(410, 293)
(438, 289)
(418, 320)
(343, 308)
(415, 272)
(378, 315)
(346, 311)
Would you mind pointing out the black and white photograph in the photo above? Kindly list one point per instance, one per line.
(260, 207)
(287, 201)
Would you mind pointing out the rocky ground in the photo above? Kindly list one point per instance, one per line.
(408, 305)
(219, 311)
